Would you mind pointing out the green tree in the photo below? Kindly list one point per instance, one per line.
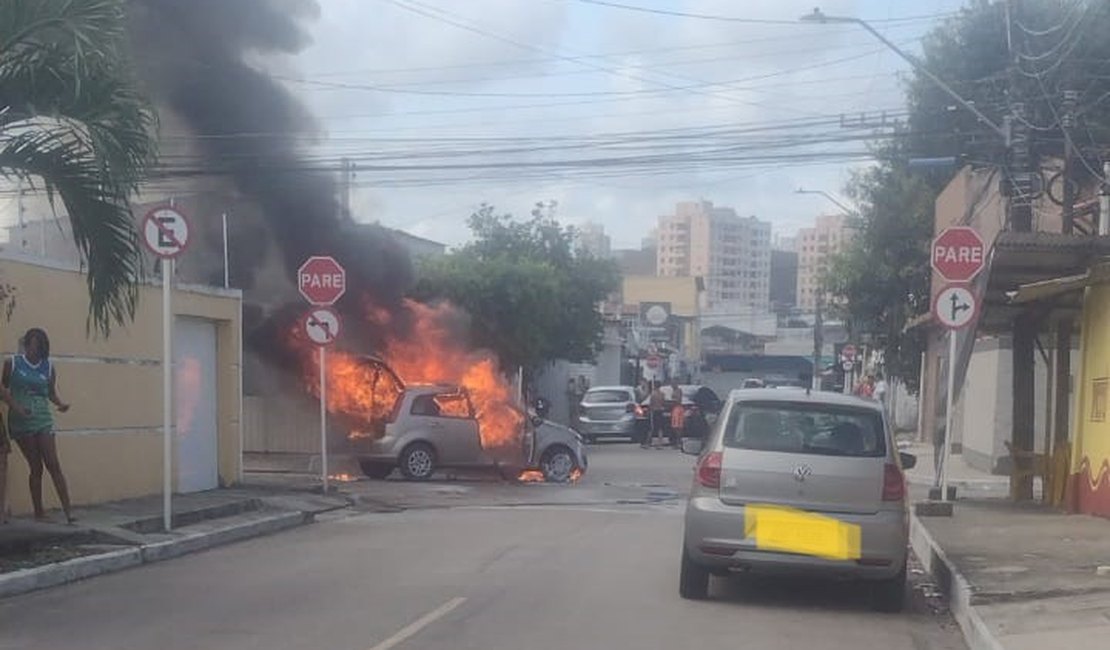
(1049, 47)
(531, 297)
(72, 120)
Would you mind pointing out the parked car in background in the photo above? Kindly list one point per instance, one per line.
(798, 481)
(608, 411)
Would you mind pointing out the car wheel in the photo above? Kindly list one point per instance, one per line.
(375, 470)
(890, 595)
(418, 461)
(557, 464)
(693, 579)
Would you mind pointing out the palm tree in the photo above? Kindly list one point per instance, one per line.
(73, 120)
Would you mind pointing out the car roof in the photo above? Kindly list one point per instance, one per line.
(624, 388)
(798, 394)
(431, 389)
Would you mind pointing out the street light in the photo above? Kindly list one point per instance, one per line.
(846, 209)
(820, 17)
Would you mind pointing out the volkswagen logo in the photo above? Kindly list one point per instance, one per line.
(801, 472)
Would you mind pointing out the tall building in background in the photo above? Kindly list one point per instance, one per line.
(732, 254)
(591, 237)
(815, 247)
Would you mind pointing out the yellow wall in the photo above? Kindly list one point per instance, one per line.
(681, 292)
(110, 442)
(1091, 454)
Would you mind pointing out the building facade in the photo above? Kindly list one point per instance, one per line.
(815, 247)
(732, 254)
(591, 238)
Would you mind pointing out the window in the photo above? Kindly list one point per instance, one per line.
(607, 397)
(1098, 398)
(821, 429)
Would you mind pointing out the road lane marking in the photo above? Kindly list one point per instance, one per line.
(419, 624)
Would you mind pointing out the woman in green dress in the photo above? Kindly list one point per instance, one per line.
(33, 384)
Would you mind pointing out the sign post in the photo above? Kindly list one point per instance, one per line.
(166, 234)
(958, 255)
(322, 281)
(848, 365)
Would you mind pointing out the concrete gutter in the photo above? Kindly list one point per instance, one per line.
(960, 593)
(195, 538)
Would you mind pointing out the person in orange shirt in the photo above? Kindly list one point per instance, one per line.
(678, 415)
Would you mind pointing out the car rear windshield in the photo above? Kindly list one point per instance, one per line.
(606, 396)
(805, 428)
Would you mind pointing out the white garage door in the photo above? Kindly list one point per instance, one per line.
(194, 354)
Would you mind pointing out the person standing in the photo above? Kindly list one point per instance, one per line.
(678, 414)
(657, 404)
(34, 387)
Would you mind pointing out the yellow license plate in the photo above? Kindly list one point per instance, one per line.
(789, 530)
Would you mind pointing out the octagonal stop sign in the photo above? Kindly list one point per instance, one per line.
(958, 254)
(321, 280)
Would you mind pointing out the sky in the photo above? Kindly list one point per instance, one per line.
(443, 105)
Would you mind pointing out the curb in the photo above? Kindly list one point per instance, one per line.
(52, 575)
(955, 587)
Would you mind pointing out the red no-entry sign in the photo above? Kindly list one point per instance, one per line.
(321, 280)
(958, 254)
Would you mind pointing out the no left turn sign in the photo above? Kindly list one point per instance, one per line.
(322, 325)
(166, 232)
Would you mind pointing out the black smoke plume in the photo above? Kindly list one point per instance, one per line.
(197, 57)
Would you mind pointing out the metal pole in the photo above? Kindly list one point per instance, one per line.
(324, 417)
(167, 394)
(921, 399)
(1104, 203)
(227, 270)
(242, 435)
(946, 450)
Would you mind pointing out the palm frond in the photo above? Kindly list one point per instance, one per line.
(103, 228)
(71, 114)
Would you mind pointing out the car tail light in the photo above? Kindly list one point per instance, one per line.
(894, 483)
(709, 470)
(640, 411)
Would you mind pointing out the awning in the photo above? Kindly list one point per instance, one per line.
(1047, 289)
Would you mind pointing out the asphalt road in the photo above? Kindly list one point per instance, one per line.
(597, 568)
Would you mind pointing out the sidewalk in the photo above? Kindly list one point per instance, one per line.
(113, 536)
(1020, 577)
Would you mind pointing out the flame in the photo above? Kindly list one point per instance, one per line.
(575, 474)
(426, 351)
(531, 476)
(343, 477)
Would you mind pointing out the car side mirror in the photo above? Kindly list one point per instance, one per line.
(909, 461)
(536, 420)
(542, 407)
(692, 446)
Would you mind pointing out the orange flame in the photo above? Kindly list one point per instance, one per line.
(428, 352)
(531, 476)
(342, 478)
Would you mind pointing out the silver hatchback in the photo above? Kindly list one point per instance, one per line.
(798, 481)
(608, 411)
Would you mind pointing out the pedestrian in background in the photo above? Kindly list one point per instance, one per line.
(678, 414)
(657, 403)
(34, 387)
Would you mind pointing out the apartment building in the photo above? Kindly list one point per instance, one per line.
(731, 253)
(816, 246)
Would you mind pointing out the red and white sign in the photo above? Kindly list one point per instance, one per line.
(653, 361)
(166, 232)
(322, 325)
(848, 352)
(321, 280)
(955, 306)
(958, 254)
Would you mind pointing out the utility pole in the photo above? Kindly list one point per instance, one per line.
(345, 189)
(818, 338)
(1020, 208)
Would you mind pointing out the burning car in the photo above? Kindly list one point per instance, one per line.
(429, 427)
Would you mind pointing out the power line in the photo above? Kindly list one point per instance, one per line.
(735, 19)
